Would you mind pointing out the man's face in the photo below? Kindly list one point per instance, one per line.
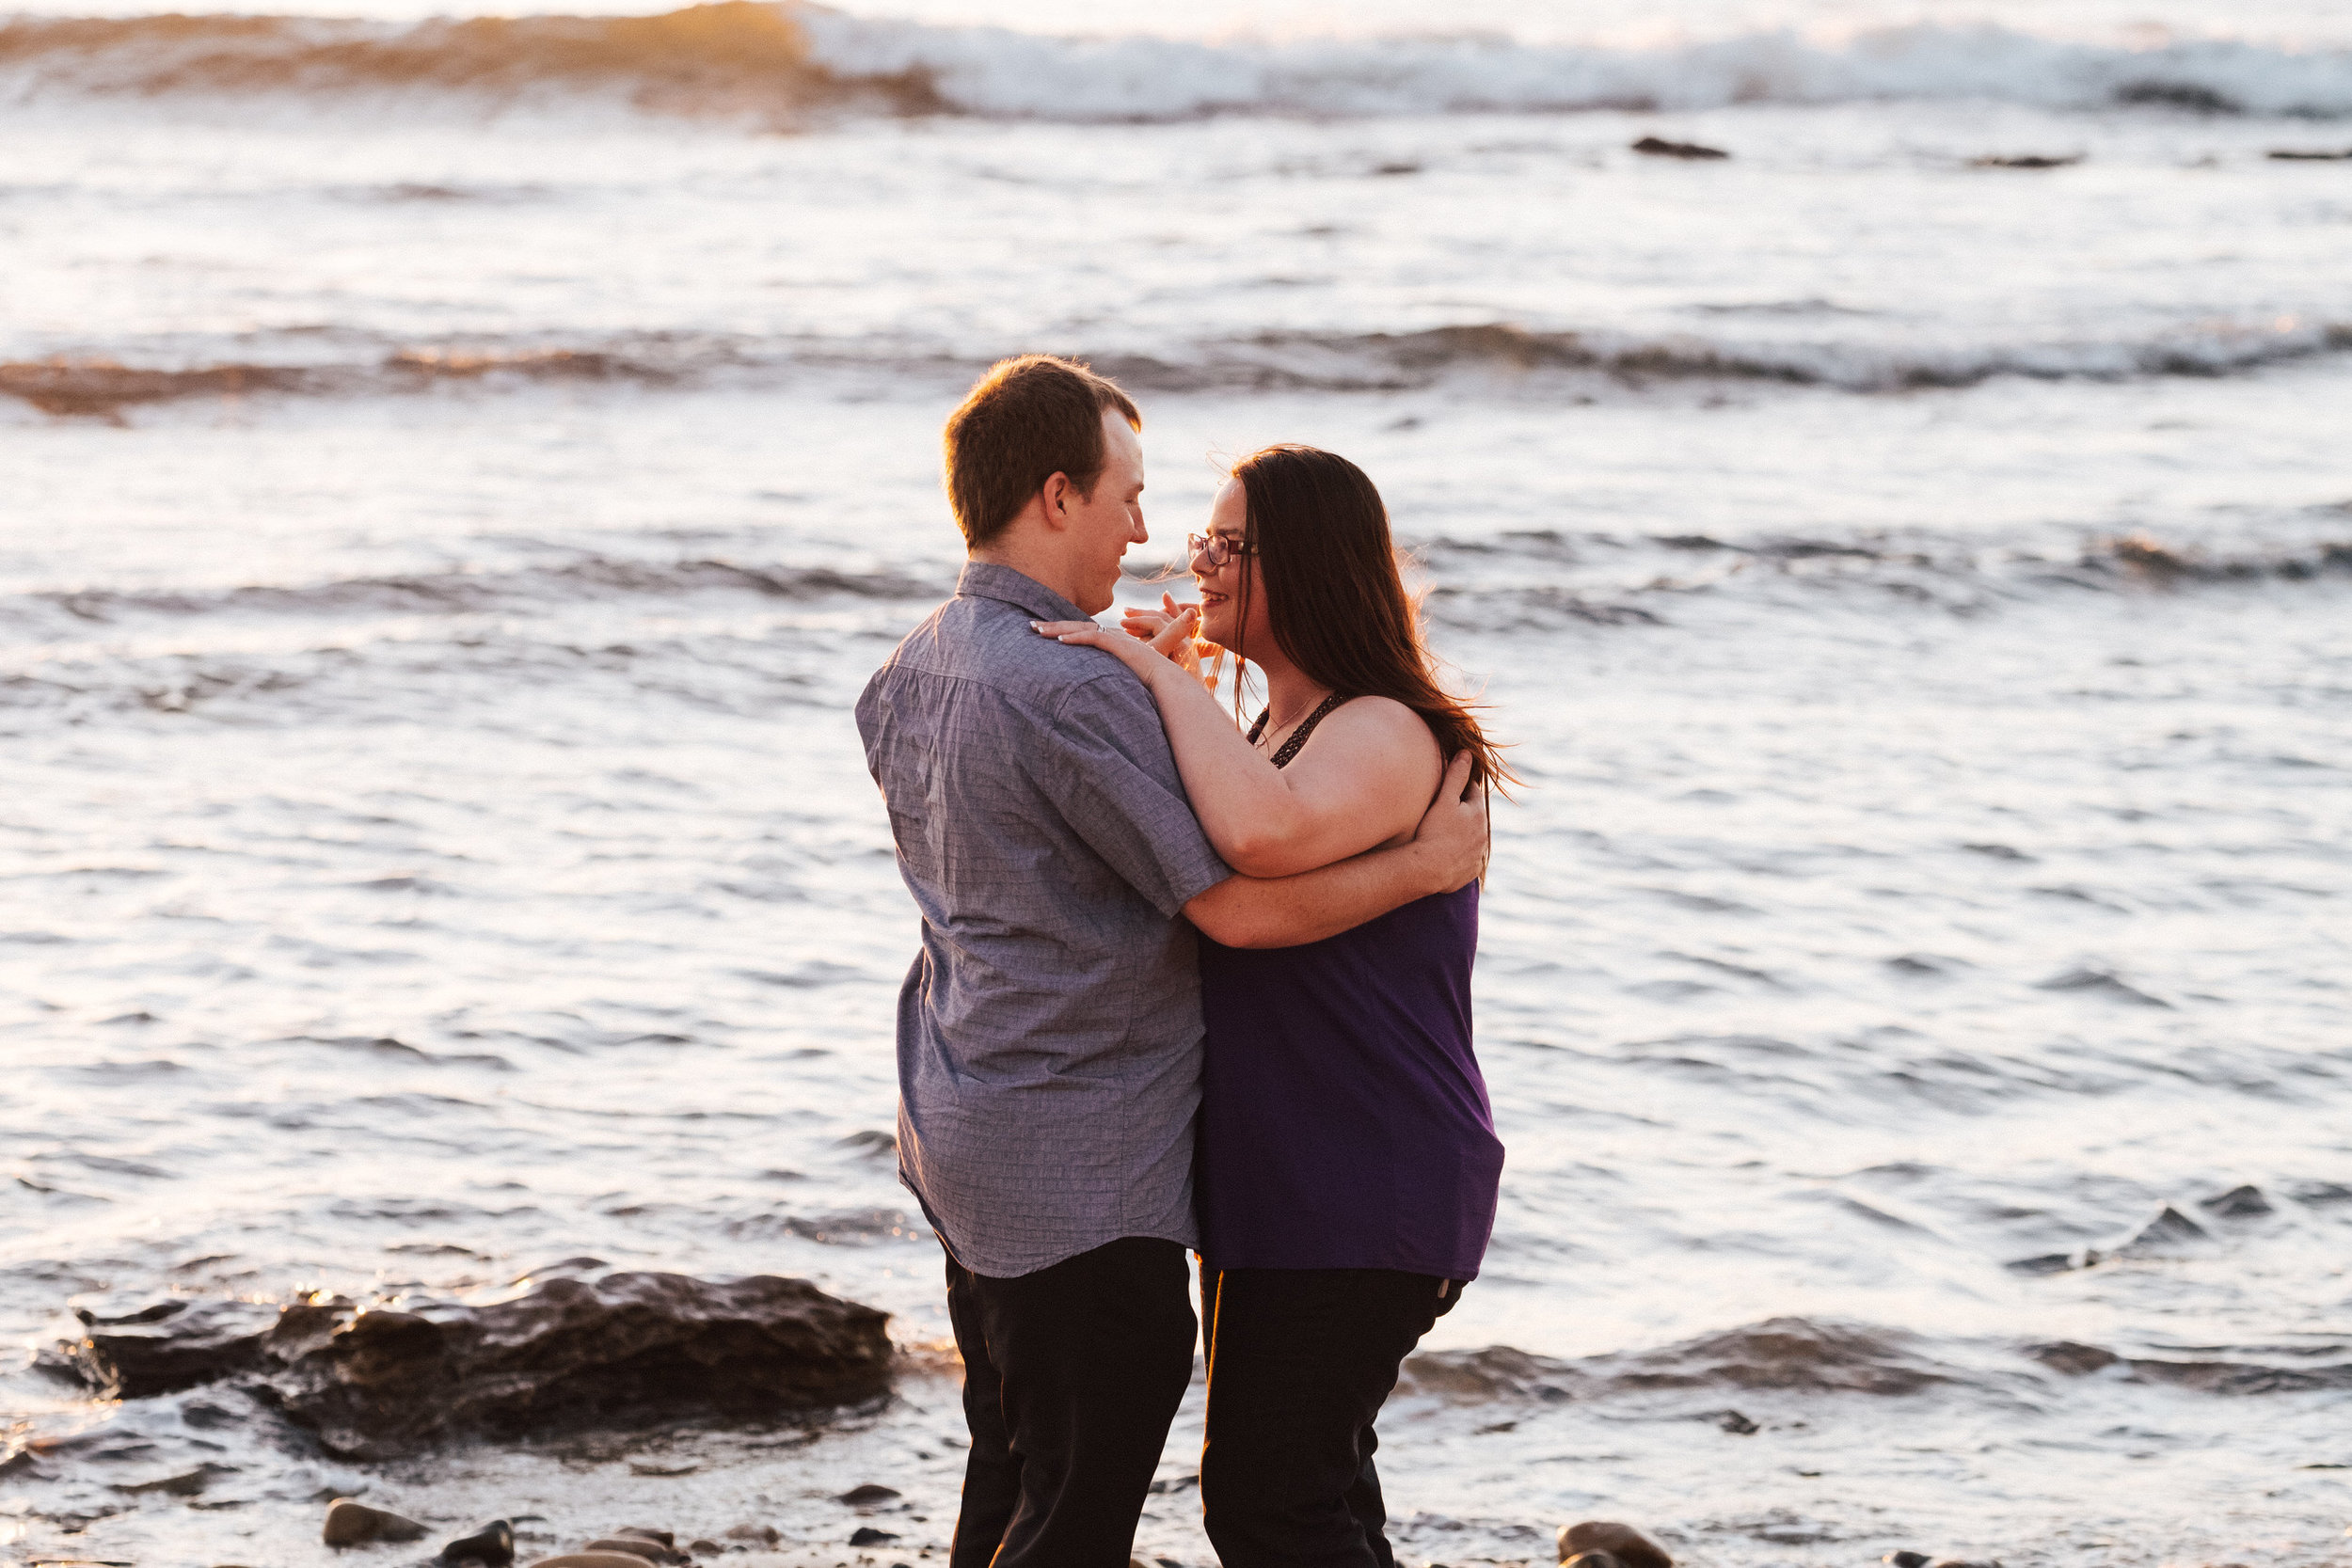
(1103, 525)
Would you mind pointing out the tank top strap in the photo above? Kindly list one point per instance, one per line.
(1298, 736)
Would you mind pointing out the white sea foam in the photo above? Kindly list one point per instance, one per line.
(997, 70)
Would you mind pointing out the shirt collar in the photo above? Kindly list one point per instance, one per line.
(985, 579)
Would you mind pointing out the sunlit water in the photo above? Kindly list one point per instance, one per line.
(441, 535)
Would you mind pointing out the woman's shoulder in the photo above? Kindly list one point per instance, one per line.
(1379, 733)
(1382, 719)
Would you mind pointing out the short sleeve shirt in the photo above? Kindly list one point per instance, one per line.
(1049, 1030)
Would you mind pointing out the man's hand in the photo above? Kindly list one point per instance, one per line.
(1455, 834)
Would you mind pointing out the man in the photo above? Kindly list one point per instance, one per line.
(1049, 1032)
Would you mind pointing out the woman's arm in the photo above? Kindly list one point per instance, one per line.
(1365, 781)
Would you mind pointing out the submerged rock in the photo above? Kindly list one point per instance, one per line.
(568, 1355)
(1658, 146)
(349, 1524)
(1605, 1538)
(592, 1560)
(866, 1535)
(169, 1347)
(872, 1495)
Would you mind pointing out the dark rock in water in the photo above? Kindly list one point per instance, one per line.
(872, 1495)
(2168, 1232)
(1905, 1559)
(2065, 1356)
(187, 1486)
(154, 1314)
(493, 1545)
(704, 1548)
(592, 1560)
(350, 1523)
(1658, 146)
(570, 1355)
(2191, 96)
(1628, 1545)
(2030, 160)
(1737, 1424)
(2048, 1262)
(2307, 155)
(767, 1535)
(2238, 1203)
(866, 1535)
(144, 1353)
(665, 1537)
(638, 1544)
(1965, 1562)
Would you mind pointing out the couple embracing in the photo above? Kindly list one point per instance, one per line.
(1181, 988)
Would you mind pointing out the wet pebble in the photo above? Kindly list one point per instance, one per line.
(767, 1535)
(704, 1548)
(1905, 1559)
(866, 1535)
(1619, 1545)
(350, 1523)
(593, 1559)
(872, 1495)
(493, 1545)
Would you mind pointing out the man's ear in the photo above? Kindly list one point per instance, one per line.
(1056, 493)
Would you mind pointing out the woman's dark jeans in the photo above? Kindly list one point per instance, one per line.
(1301, 1361)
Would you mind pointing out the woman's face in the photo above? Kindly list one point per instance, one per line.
(1221, 586)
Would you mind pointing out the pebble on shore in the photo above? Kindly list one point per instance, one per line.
(350, 1523)
(1611, 1545)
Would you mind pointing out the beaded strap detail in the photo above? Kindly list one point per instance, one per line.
(1298, 736)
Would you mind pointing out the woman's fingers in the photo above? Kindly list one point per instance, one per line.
(1178, 632)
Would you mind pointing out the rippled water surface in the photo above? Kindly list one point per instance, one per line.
(442, 535)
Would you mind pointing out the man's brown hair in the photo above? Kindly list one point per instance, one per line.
(1025, 421)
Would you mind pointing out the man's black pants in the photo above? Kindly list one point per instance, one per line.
(1301, 1361)
(1071, 1377)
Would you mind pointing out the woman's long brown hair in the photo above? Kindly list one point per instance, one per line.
(1336, 600)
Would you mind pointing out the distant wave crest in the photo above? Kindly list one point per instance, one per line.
(1496, 354)
(739, 56)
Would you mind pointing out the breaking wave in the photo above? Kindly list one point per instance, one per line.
(1305, 362)
(739, 56)
(473, 593)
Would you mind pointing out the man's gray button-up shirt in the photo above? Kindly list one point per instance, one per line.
(1049, 1032)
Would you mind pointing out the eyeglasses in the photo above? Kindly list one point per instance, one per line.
(1218, 547)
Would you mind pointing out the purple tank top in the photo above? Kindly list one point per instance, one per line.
(1343, 1121)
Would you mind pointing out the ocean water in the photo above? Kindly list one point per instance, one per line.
(456, 475)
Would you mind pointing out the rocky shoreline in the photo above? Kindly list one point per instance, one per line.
(379, 1381)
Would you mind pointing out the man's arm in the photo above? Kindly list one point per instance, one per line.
(1448, 851)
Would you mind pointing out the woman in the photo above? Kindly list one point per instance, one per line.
(1347, 1165)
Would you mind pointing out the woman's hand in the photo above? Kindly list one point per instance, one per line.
(1171, 648)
